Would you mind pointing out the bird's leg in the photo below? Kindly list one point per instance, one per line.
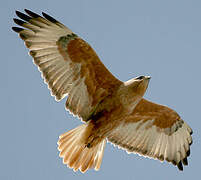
(92, 141)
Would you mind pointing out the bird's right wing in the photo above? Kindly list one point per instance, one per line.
(68, 64)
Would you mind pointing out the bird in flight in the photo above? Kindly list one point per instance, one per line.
(111, 110)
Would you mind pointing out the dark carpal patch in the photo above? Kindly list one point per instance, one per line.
(64, 40)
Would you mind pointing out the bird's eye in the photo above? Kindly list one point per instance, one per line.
(140, 77)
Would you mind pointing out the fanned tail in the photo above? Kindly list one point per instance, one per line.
(75, 153)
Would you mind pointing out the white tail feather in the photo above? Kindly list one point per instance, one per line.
(75, 153)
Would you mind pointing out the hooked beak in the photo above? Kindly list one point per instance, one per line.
(148, 77)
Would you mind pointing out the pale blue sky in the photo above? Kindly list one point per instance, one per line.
(158, 38)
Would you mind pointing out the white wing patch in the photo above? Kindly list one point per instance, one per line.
(146, 139)
(59, 72)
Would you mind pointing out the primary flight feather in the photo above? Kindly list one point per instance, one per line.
(111, 109)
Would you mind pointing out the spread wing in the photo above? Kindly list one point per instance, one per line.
(154, 131)
(68, 64)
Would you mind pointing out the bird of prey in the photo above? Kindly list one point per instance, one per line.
(111, 110)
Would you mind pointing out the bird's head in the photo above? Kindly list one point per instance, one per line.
(138, 85)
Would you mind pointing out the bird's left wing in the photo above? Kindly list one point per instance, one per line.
(154, 131)
(68, 64)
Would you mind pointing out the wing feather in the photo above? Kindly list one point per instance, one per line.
(68, 64)
(154, 131)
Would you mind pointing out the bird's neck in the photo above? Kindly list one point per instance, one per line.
(128, 98)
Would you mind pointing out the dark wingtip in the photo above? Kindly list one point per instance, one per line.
(188, 153)
(180, 166)
(32, 14)
(174, 162)
(23, 16)
(18, 21)
(17, 29)
(185, 161)
(49, 18)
